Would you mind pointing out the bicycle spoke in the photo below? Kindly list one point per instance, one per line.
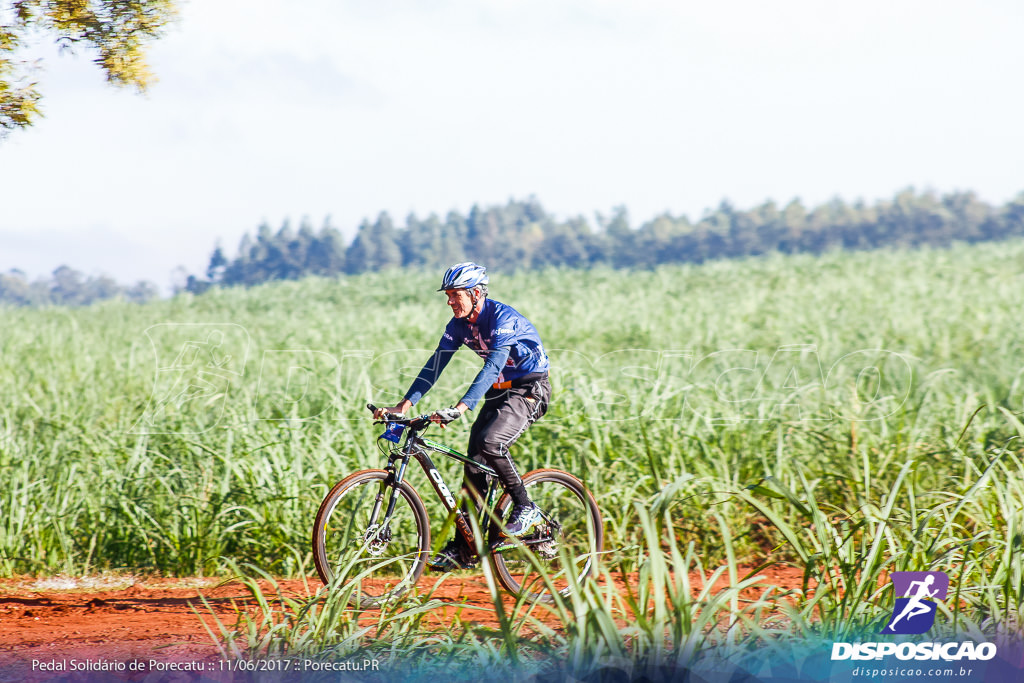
(561, 551)
(383, 557)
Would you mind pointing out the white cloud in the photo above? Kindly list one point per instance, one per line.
(267, 110)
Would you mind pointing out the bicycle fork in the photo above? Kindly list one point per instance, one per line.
(377, 534)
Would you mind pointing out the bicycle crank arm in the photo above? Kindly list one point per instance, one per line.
(506, 543)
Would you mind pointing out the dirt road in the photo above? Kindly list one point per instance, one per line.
(121, 619)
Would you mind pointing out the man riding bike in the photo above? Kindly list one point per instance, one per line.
(513, 383)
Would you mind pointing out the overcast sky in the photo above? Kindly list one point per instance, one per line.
(269, 110)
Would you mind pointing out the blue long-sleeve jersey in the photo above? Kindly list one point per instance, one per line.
(506, 340)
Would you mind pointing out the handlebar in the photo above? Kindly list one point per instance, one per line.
(394, 418)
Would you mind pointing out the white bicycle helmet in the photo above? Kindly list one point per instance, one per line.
(465, 275)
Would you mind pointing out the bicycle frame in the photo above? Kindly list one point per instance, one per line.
(416, 447)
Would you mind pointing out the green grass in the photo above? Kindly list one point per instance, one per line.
(853, 414)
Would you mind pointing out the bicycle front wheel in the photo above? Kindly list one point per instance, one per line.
(563, 549)
(371, 537)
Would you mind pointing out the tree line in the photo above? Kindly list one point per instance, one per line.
(522, 235)
(68, 287)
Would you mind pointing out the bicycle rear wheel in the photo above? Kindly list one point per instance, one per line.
(380, 557)
(564, 548)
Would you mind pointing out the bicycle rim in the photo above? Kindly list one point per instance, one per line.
(560, 553)
(356, 549)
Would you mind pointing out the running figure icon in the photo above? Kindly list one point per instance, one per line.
(915, 605)
(917, 601)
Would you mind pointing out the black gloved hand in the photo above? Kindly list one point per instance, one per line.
(446, 415)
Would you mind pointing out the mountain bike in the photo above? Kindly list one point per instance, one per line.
(373, 526)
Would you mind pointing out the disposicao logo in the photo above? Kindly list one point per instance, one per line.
(917, 594)
(914, 612)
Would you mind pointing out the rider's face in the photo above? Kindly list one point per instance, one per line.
(460, 301)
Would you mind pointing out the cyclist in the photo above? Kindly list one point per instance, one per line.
(513, 384)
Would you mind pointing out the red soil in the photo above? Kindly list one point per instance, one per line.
(153, 619)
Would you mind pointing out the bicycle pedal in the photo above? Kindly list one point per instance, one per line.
(546, 550)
